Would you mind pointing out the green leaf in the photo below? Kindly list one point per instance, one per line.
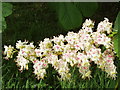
(112, 34)
(69, 15)
(27, 84)
(87, 8)
(116, 38)
(6, 9)
(4, 25)
(117, 23)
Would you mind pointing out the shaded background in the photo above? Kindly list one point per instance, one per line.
(36, 21)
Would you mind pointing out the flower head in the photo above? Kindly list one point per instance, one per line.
(8, 51)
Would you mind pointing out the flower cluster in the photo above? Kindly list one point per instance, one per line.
(74, 49)
(8, 51)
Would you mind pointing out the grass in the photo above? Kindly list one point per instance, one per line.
(12, 78)
(34, 22)
(99, 80)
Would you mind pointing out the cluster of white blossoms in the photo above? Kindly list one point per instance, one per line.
(74, 49)
(8, 51)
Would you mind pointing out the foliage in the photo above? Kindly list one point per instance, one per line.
(6, 11)
(84, 6)
(117, 36)
(70, 15)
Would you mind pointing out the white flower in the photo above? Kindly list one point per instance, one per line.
(38, 52)
(39, 69)
(105, 26)
(72, 37)
(8, 51)
(94, 54)
(88, 23)
(58, 40)
(57, 48)
(46, 44)
(75, 49)
(82, 59)
(22, 62)
(101, 39)
(20, 45)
